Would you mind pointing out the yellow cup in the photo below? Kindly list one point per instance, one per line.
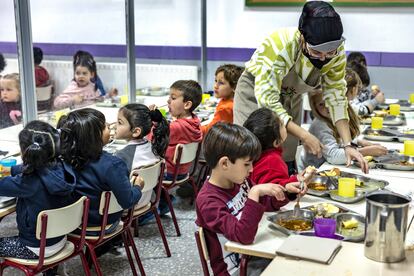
(346, 187)
(58, 114)
(409, 147)
(412, 98)
(124, 99)
(394, 109)
(205, 98)
(376, 122)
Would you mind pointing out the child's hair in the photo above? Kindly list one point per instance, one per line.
(233, 141)
(85, 59)
(191, 91)
(357, 57)
(81, 136)
(352, 80)
(39, 144)
(3, 63)
(231, 73)
(37, 55)
(315, 97)
(362, 72)
(266, 126)
(14, 77)
(139, 115)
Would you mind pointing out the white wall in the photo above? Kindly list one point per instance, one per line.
(177, 22)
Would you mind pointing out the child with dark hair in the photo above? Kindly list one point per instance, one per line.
(41, 74)
(82, 90)
(83, 135)
(3, 62)
(225, 83)
(42, 182)
(270, 167)
(135, 122)
(227, 205)
(10, 104)
(96, 79)
(356, 57)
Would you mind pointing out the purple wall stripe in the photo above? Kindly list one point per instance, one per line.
(191, 53)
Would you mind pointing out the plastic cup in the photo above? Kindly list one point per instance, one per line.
(409, 147)
(324, 227)
(394, 109)
(124, 99)
(346, 187)
(205, 98)
(163, 111)
(376, 122)
(412, 98)
(7, 164)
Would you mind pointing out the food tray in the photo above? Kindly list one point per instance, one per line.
(310, 212)
(153, 91)
(393, 161)
(404, 105)
(356, 234)
(388, 120)
(6, 201)
(379, 135)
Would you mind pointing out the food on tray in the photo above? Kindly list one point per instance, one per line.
(408, 131)
(405, 163)
(325, 210)
(369, 158)
(296, 224)
(317, 186)
(349, 224)
(380, 113)
(332, 172)
(374, 133)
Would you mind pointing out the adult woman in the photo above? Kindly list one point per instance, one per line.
(291, 62)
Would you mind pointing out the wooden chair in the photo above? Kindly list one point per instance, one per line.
(202, 250)
(54, 223)
(44, 97)
(109, 205)
(153, 176)
(184, 154)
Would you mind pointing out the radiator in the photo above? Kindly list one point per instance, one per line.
(115, 74)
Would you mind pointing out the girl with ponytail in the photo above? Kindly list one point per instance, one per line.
(42, 182)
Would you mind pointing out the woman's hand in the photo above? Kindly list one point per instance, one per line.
(373, 150)
(352, 154)
(312, 144)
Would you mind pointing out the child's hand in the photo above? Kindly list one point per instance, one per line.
(374, 150)
(375, 90)
(380, 97)
(307, 174)
(138, 181)
(294, 188)
(269, 189)
(152, 107)
(77, 99)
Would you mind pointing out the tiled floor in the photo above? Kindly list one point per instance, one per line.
(184, 259)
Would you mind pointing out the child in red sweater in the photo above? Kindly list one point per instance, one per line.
(270, 168)
(227, 205)
(225, 82)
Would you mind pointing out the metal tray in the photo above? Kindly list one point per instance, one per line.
(392, 162)
(404, 105)
(153, 91)
(285, 215)
(388, 120)
(6, 201)
(354, 235)
(378, 135)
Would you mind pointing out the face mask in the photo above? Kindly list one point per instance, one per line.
(317, 62)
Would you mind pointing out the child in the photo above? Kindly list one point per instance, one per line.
(3, 62)
(135, 122)
(323, 129)
(270, 168)
(10, 106)
(84, 133)
(185, 96)
(225, 82)
(81, 90)
(96, 79)
(41, 74)
(43, 182)
(227, 205)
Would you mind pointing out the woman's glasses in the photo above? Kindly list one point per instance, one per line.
(318, 55)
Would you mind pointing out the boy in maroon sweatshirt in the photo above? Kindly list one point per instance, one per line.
(227, 205)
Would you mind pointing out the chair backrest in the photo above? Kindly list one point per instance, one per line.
(202, 250)
(44, 93)
(188, 152)
(113, 207)
(150, 174)
(58, 223)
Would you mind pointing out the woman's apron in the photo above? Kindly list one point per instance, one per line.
(291, 98)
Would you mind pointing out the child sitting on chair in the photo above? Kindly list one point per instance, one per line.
(271, 168)
(227, 205)
(42, 182)
(10, 105)
(41, 74)
(225, 82)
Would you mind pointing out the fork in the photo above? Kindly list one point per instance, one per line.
(296, 209)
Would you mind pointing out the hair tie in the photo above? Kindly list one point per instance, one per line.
(36, 144)
(156, 115)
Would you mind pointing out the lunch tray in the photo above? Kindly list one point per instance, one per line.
(388, 120)
(388, 134)
(7, 201)
(404, 105)
(344, 213)
(369, 185)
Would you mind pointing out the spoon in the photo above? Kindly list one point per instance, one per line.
(296, 209)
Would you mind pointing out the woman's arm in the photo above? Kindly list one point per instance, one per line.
(310, 142)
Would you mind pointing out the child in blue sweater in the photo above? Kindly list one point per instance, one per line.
(42, 182)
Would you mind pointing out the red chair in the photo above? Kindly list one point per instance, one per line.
(109, 205)
(184, 154)
(153, 176)
(54, 223)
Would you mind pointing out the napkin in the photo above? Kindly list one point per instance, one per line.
(316, 249)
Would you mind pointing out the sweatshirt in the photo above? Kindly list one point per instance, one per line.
(182, 131)
(227, 212)
(41, 76)
(65, 99)
(223, 113)
(47, 188)
(10, 113)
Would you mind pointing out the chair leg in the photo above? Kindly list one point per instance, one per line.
(162, 233)
(243, 265)
(135, 226)
(85, 264)
(135, 250)
(95, 262)
(170, 206)
(130, 260)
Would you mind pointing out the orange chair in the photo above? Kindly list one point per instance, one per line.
(107, 206)
(153, 176)
(54, 223)
(184, 154)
